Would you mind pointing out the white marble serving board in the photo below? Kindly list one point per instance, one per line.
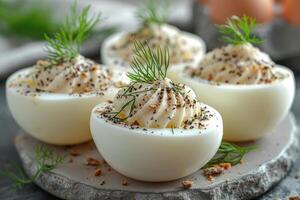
(261, 169)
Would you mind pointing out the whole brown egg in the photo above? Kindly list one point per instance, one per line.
(261, 10)
(291, 11)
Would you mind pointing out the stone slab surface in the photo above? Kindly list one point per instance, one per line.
(262, 168)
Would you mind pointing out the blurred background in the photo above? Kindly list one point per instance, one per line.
(24, 22)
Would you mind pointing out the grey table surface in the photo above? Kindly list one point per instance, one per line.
(9, 159)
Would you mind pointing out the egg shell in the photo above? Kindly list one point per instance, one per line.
(249, 112)
(163, 155)
(60, 119)
(261, 10)
(290, 11)
(108, 59)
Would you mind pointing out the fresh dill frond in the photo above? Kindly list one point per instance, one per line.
(45, 160)
(154, 11)
(149, 65)
(229, 153)
(239, 31)
(130, 94)
(65, 44)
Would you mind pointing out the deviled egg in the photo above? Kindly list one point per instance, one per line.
(53, 99)
(154, 129)
(184, 47)
(250, 91)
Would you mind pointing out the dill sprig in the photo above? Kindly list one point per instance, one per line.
(129, 93)
(45, 160)
(65, 44)
(148, 65)
(229, 153)
(239, 31)
(153, 11)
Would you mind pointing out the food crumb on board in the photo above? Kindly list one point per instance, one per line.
(294, 198)
(216, 170)
(92, 162)
(74, 152)
(98, 172)
(125, 182)
(187, 184)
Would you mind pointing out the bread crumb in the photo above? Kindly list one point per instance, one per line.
(294, 198)
(187, 184)
(92, 162)
(216, 170)
(213, 171)
(210, 178)
(98, 172)
(225, 165)
(74, 152)
(125, 182)
(153, 106)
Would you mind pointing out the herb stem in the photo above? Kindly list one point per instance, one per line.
(229, 153)
(45, 159)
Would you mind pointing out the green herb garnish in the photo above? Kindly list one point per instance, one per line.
(153, 11)
(239, 31)
(45, 160)
(65, 45)
(147, 65)
(229, 153)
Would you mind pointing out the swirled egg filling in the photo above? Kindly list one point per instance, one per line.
(162, 104)
(163, 35)
(240, 64)
(78, 76)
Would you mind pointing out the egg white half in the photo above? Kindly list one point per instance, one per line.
(156, 155)
(60, 119)
(249, 111)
